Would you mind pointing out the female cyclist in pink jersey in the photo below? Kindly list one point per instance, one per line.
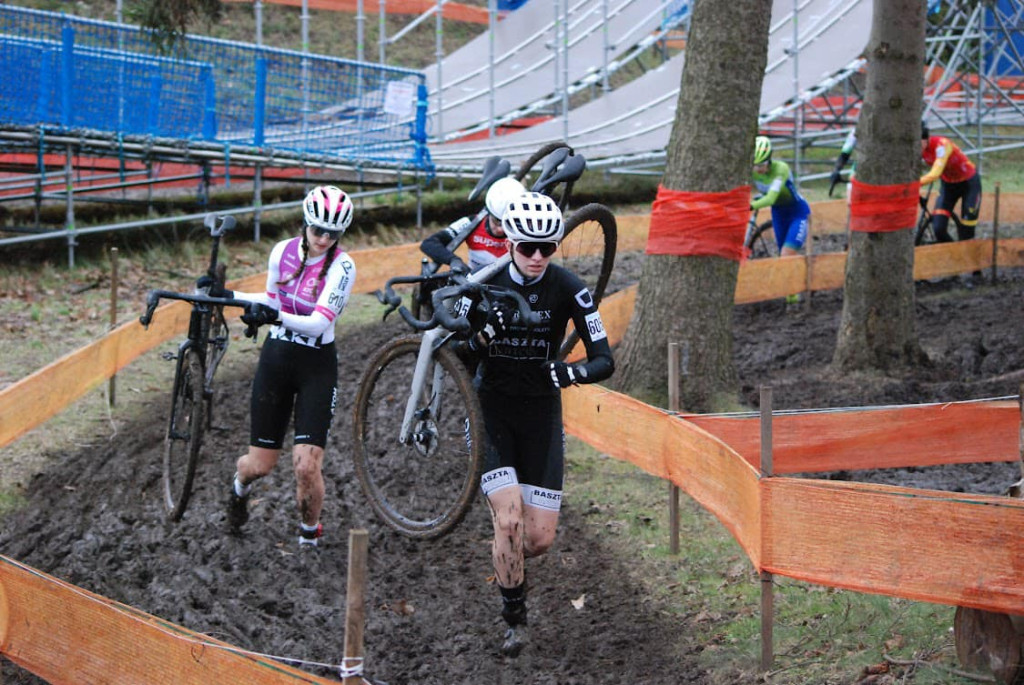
(309, 280)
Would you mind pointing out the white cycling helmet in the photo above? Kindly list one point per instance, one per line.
(533, 217)
(501, 192)
(329, 208)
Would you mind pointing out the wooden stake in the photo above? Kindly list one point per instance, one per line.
(995, 235)
(113, 317)
(355, 608)
(673, 406)
(767, 586)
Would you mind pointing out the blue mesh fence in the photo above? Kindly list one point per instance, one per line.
(71, 73)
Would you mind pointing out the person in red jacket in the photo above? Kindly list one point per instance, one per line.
(959, 181)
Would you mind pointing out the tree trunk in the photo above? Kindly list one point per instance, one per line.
(877, 329)
(689, 300)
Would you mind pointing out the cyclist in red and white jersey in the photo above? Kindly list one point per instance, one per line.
(486, 241)
(309, 281)
(959, 182)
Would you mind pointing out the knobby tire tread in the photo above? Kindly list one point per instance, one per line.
(395, 353)
(184, 432)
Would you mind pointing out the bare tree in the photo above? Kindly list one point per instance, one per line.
(877, 329)
(689, 299)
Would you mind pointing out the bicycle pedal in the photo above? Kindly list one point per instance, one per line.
(169, 356)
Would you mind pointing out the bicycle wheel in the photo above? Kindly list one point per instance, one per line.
(540, 154)
(588, 250)
(184, 432)
(423, 487)
(924, 234)
(762, 243)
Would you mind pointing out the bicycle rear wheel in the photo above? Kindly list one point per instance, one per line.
(424, 487)
(762, 242)
(184, 432)
(588, 250)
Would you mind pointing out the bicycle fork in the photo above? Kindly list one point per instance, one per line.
(425, 365)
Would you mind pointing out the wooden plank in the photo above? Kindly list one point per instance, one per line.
(65, 634)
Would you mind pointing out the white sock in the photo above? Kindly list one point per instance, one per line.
(242, 490)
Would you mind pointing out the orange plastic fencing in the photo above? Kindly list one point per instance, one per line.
(65, 634)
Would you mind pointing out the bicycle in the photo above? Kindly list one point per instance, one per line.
(760, 239)
(591, 233)
(197, 360)
(418, 428)
(924, 233)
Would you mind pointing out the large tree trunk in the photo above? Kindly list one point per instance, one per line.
(689, 299)
(877, 329)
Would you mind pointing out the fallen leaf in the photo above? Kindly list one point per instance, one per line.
(578, 603)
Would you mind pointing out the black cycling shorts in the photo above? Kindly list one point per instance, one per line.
(291, 375)
(525, 433)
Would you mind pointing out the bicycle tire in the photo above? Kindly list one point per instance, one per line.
(924, 233)
(762, 243)
(540, 154)
(423, 488)
(184, 431)
(588, 250)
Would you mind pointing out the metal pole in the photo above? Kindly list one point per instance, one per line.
(257, 202)
(355, 608)
(798, 112)
(258, 6)
(565, 70)
(69, 203)
(382, 39)
(438, 55)
(673, 406)
(492, 21)
(607, 47)
(305, 68)
(112, 392)
(767, 587)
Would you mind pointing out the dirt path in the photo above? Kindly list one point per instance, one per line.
(95, 519)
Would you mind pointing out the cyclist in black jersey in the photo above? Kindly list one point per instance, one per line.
(309, 281)
(519, 388)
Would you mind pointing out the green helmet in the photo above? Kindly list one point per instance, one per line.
(762, 149)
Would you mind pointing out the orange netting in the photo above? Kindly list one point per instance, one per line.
(878, 209)
(699, 224)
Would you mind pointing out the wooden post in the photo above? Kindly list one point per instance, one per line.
(69, 206)
(113, 317)
(995, 236)
(767, 587)
(673, 406)
(809, 267)
(355, 608)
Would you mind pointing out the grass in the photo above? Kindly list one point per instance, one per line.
(822, 635)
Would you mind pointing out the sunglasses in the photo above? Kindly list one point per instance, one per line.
(528, 249)
(321, 232)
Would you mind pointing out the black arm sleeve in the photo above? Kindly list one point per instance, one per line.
(841, 161)
(600, 364)
(436, 246)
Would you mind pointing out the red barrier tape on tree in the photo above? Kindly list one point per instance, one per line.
(699, 224)
(879, 209)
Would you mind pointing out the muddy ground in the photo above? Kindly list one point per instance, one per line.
(96, 520)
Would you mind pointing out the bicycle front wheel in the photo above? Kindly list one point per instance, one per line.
(421, 486)
(588, 250)
(762, 242)
(184, 432)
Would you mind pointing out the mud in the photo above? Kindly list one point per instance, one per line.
(96, 520)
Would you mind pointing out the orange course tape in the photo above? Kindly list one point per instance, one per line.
(882, 209)
(699, 224)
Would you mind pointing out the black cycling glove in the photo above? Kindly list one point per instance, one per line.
(259, 314)
(497, 319)
(458, 266)
(563, 375)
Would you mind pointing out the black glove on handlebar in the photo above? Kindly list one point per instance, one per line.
(497, 320)
(213, 287)
(259, 314)
(458, 266)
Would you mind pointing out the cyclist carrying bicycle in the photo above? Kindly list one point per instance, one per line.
(486, 242)
(309, 280)
(790, 211)
(959, 181)
(519, 394)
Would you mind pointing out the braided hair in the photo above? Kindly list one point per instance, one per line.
(328, 260)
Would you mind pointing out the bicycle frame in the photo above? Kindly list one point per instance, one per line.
(432, 339)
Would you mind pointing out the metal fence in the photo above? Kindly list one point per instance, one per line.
(72, 73)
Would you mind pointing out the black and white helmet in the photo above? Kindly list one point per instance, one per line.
(533, 217)
(328, 208)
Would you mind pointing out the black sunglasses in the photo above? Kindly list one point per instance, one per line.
(527, 249)
(321, 232)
